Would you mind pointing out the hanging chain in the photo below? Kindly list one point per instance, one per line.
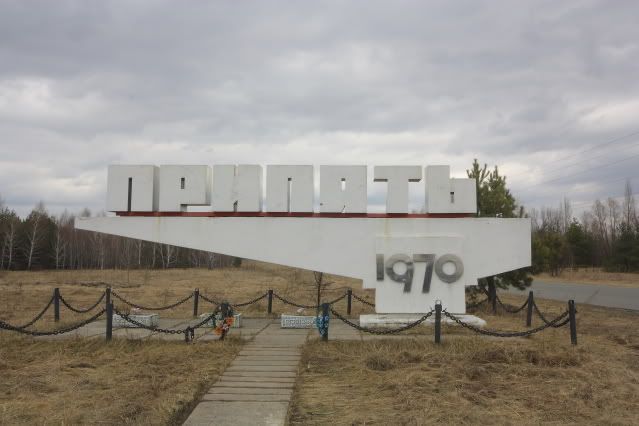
(332, 302)
(298, 305)
(543, 318)
(250, 302)
(211, 301)
(6, 326)
(509, 310)
(366, 302)
(80, 310)
(128, 319)
(37, 317)
(495, 333)
(476, 304)
(382, 331)
(147, 308)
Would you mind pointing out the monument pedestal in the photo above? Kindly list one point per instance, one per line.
(400, 320)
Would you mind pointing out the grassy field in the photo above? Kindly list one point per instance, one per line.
(476, 380)
(593, 276)
(466, 380)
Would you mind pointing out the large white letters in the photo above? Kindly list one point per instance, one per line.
(182, 186)
(132, 188)
(289, 189)
(343, 189)
(397, 178)
(237, 188)
(447, 195)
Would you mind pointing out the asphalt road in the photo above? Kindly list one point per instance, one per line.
(602, 295)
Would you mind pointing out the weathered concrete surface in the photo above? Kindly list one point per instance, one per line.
(238, 413)
(258, 384)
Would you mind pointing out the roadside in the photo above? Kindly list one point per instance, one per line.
(592, 276)
(592, 294)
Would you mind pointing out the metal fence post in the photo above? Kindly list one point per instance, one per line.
(196, 299)
(109, 321)
(438, 323)
(529, 311)
(108, 295)
(56, 304)
(270, 302)
(325, 311)
(573, 321)
(349, 299)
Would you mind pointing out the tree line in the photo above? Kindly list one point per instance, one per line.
(46, 241)
(606, 235)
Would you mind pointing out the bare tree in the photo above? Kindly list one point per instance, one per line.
(600, 228)
(139, 245)
(551, 219)
(566, 213)
(534, 219)
(629, 206)
(60, 238)
(168, 255)
(34, 233)
(614, 214)
(10, 240)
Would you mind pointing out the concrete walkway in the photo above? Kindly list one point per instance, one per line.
(257, 387)
(592, 294)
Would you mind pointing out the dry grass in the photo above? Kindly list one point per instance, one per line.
(86, 381)
(465, 380)
(593, 276)
(23, 294)
(474, 380)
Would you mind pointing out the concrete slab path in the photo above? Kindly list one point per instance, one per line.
(257, 387)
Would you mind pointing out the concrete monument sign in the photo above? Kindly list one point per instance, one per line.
(411, 260)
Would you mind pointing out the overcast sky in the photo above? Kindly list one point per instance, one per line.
(546, 90)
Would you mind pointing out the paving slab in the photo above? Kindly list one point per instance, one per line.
(263, 363)
(238, 413)
(253, 379)
(264, 372)
(255, 398)
(260, 374)
(223, 390)
(264, 368)
(268, 358)
(261, 384)
(132, 333)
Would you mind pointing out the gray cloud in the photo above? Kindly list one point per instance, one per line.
(518, 84)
